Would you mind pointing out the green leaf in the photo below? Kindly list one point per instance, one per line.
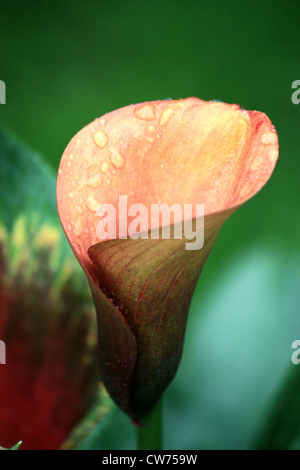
(281, 430)
(27, 183)
(15, 447)
(50, 380)
(238, 349)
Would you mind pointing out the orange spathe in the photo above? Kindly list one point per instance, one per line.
(183, 151)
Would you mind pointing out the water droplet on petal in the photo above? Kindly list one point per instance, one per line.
(60, 171)
(77, 227)
(269, 138)
(244, 191)
(117, 159)
(151, 128)
(79, 209)
(273, 154)
(71, 195)
(82, 181)
(90, 177)
(102, 122)
(68, 164)
(104, 167)
(166, 116)
(94, 180)
(100, 139)
(92, 202)
(71, 156)
(146, 112)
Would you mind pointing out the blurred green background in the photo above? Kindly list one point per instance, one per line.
(66, 63)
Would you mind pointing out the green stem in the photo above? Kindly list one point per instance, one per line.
(149, 435)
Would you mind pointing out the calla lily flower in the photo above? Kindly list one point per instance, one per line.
(163, 152)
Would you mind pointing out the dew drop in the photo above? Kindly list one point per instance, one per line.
(68, 164)
(102, 122)
(79, 209)
(146, 112)
(244, 191)
(77, 227)
(92, 203)
(151, 128)
(71, 156)
(88, 160)
(166, 116)
(60, 171)
(71, 195)
(94, 180)
(104, 167)
(82, 181)
(269, 138)
(117, 159)
(100, 139)
(273, 154)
